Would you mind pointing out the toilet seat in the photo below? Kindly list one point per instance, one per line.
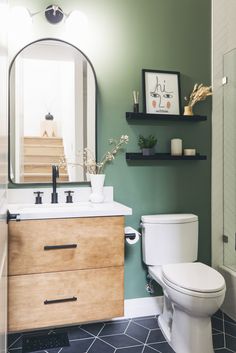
(194, 279)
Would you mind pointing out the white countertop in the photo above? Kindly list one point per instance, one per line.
(65, 210)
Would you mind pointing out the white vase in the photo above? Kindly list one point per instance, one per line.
(97, 183)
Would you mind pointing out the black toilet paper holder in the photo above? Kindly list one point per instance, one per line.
(130, 236)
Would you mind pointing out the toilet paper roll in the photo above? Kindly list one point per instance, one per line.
(133, 233)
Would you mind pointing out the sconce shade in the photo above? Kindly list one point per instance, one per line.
(54, 14)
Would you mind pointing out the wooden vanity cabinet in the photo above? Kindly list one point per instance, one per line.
(65, 271)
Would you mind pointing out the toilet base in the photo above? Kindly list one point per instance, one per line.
(190, 334)
(165, 319)
(165, 329)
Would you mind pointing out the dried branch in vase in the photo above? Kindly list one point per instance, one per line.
(198, 94)
(89, 162)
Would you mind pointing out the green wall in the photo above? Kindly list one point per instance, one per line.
(130, 35)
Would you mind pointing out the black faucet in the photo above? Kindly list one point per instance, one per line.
(55, 175)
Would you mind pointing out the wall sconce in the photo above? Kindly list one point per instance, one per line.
(54, 14)
(21, 16)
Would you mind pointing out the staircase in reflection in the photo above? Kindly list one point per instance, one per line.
(39, 155)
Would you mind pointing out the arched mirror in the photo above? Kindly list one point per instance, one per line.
(52, 112)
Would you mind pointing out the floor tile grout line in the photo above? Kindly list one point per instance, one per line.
(134, 338)
(228, 349)
(127, 326)
(135, 346)
(88, 332)
(228, 321)
(82, 339)
(217, 333)
(14, 349)
(91, 345)
(92, 333)
(154, 349)
(109, 344)
(146, 340)
(228, 334)
(157, 328)
(15, 341)
(224, 331)
(98, 338)
(158, 342)
(116, 334)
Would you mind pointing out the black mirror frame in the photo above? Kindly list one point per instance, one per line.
(61, 184)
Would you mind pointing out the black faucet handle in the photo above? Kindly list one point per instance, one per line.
(55, 170)
(38, 199)
(69, 198)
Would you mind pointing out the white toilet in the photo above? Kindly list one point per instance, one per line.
(192, 291)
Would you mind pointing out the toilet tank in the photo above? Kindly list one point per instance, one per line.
(169, 238)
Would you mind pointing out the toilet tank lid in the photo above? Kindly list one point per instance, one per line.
(170, 218)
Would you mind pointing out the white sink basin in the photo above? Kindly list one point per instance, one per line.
(65, 210)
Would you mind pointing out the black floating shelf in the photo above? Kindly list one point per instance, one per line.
(163, 157)
(130, 116)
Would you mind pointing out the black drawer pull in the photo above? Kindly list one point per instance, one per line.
(55, 301)
(58, 247)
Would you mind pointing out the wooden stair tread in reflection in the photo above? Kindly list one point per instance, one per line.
(31, 140)
(37, 177)
(44, 150)
(39, 155)
(38, 167)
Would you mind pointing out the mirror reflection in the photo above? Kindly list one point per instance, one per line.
(52, 112)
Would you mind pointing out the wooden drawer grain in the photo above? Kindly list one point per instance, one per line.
(99, 241)
(99, 294)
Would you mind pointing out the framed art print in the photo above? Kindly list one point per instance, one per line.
(161, 92)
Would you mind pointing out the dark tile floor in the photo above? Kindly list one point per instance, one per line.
(137, 335)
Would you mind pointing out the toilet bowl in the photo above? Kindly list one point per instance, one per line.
(193, 292)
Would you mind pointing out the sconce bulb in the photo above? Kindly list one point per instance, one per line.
(20, 15)
(76, 21)
(54, 14)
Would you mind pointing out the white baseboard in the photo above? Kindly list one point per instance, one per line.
(142, 307)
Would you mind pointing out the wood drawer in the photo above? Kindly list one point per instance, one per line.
(99, 294)
(99, 242)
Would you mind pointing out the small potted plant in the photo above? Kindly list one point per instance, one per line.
(147, 144)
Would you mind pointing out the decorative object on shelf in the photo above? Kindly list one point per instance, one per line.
(188, 110)
(189, 152)
(161, 91)
(97, 183)
(48, 126)
(147, 144)
(198, 94)
(136, 101)
(176, 147)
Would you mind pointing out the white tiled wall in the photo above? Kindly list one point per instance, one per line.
(223, 40)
